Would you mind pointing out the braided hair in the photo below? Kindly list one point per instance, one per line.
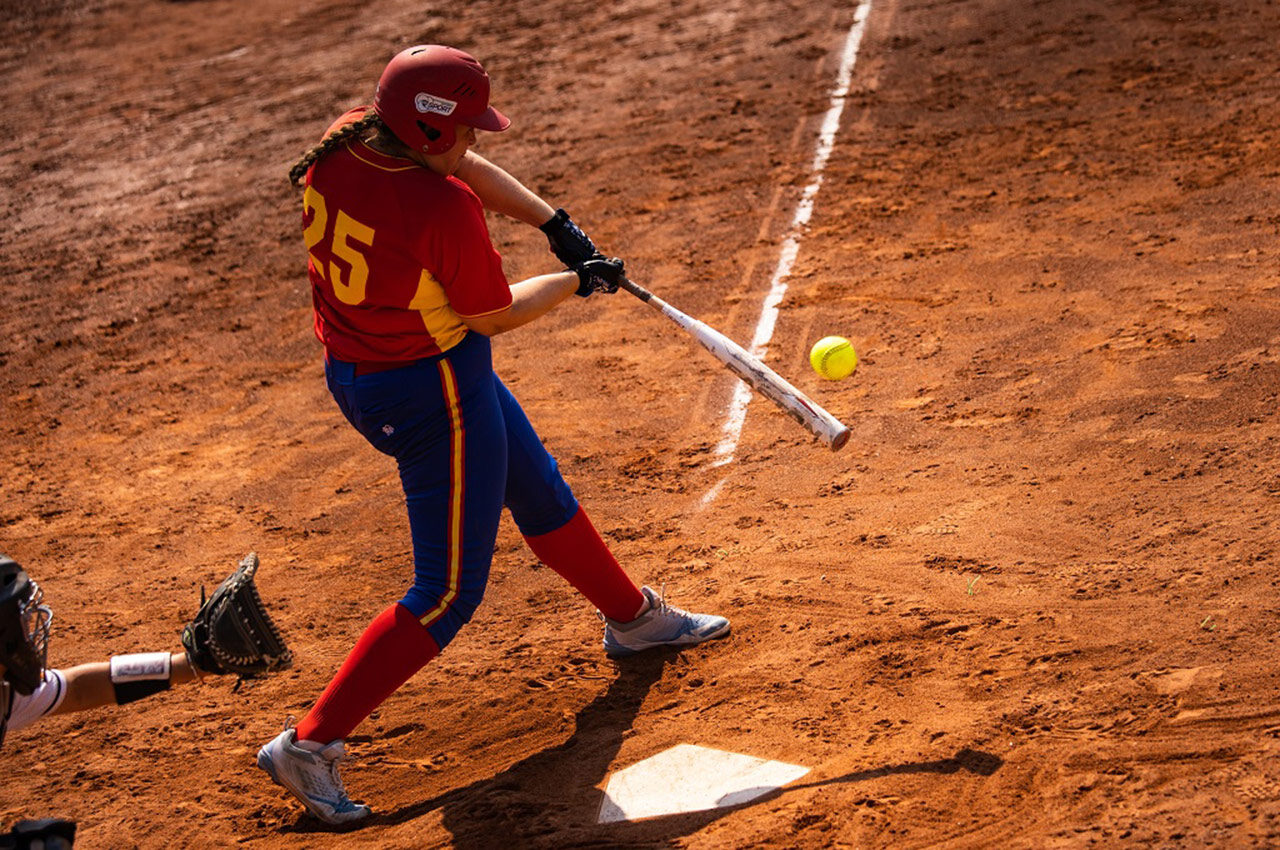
(333, 140)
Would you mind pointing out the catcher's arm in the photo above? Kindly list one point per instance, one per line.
(232, 632)
(93, 685)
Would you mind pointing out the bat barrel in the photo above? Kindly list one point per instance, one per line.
(831, 431)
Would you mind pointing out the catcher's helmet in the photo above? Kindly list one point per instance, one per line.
(24, 627)
(428, 90)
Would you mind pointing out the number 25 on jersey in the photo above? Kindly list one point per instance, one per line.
(347, 242)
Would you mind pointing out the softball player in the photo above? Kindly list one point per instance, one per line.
(407, 289)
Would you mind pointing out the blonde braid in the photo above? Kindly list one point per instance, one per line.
(331, 141)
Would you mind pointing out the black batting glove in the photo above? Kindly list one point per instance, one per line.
(570, 245)
(599, 275)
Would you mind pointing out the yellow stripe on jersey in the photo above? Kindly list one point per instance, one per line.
(457, 480)
(437, 316)
(408, 165)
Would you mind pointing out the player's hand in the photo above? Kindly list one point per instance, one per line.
(599, 275)
(570, 245)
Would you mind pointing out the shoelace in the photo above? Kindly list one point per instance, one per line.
(662, 606)
(656, 606)
(336, 788)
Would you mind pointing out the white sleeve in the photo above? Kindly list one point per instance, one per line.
(44, 699)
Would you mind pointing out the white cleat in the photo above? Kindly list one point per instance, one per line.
(311, 777)
(661, 625)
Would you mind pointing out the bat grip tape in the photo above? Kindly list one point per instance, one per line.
(140, 675)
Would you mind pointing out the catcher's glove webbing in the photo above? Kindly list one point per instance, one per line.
(231, 633)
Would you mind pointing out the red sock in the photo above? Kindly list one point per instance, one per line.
(576, 552)
(392, 648)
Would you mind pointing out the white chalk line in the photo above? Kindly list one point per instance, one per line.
(728, 445)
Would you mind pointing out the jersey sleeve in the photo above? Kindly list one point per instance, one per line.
(459, 254)
(43, 700)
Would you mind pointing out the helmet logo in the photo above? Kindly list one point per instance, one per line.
(424, 102)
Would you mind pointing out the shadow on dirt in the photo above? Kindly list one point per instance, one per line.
(535, 802)
(552, 798)
(983, 764)
(664, 831)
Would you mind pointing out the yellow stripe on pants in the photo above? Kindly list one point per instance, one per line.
(457, 482)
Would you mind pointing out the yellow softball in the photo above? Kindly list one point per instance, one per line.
(833, 358)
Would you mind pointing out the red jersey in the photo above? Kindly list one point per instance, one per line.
(396, 254)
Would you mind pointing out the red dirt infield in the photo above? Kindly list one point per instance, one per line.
(1032, 602)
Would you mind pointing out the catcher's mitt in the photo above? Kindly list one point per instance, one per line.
(231, 633)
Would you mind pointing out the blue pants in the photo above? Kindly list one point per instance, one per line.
(465, 448)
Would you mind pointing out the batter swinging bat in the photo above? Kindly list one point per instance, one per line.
(740, 362)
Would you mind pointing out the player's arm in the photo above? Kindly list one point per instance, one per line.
(95, 685)
(502, 193)
(536, 296)
(529, 299)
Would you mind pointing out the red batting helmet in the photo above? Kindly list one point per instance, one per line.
(428, 90)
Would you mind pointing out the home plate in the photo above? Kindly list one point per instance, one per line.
(688, 778)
